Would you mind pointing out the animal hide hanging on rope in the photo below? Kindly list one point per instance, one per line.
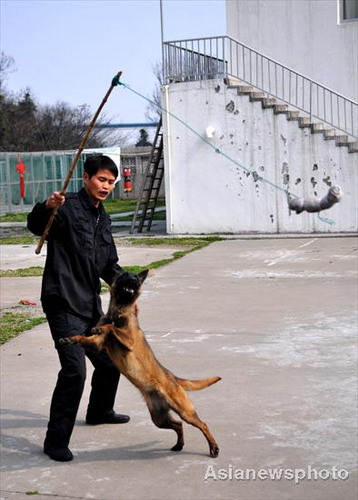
(315, 204)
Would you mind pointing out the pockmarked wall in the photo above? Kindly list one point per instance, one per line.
(308, 36)
(236, 181)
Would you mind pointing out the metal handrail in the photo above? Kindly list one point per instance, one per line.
(222, 56)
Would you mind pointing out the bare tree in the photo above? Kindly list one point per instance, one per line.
(7, 65)
(61, 126)
(153, 109)
(27, 126)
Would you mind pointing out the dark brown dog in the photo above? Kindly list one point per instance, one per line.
(118, 331)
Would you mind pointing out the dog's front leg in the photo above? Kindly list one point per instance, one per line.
(95, 342)
(121, 334)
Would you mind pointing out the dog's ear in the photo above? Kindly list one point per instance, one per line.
(142, 275)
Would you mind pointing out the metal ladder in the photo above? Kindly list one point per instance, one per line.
(148, 196)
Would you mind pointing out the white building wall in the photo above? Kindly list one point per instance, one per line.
(207, 193)
(305, 35)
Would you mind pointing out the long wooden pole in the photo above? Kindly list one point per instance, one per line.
(115, 82)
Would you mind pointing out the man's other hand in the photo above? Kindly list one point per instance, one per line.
(55, 200)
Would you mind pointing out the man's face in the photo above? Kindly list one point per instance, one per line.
(99, 186)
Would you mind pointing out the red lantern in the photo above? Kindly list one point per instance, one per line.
(127, 174)
(21, 169)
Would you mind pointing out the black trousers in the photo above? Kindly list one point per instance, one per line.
(71, 378)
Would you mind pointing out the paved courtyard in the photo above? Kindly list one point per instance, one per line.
(276, 319)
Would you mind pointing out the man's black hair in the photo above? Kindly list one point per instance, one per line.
(94, 163)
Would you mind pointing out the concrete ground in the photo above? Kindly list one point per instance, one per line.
(21, 256)
(276, 319)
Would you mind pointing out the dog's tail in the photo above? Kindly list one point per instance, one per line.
(197, 385)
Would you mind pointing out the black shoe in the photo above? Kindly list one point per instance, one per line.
(58, 454)
(109, 417)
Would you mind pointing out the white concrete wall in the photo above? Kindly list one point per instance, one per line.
(305, 35)
(207, 193)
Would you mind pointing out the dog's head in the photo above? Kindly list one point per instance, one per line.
(126, 287)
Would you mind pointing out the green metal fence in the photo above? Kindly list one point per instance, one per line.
(46, 171)
(44, 174)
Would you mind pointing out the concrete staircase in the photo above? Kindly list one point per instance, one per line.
(303, 121)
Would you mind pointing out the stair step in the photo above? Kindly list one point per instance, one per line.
(232, 83)
(293, 115)
(329, 134)
(268, 102)
(280, 108)
(317, 128)
(257, 96)
(341, 140)
(244, 89)
(353, 147)
(304, 122)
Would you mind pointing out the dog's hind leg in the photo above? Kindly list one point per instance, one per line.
(186, 410)
(164, 420)
(159, 411)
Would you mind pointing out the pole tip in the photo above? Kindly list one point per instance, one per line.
(115, 80)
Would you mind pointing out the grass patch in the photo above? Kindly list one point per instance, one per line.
(128, 218)
(14, 323)
(19, 240)
(120, 206)
(21, 273)
(186, 241)
(14, 217)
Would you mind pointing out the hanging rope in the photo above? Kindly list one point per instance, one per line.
(291, 198)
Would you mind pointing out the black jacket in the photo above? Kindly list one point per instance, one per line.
(80, 251)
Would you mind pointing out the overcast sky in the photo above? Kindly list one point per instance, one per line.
(69, 50)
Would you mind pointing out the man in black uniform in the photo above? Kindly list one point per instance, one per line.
(80, 251)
